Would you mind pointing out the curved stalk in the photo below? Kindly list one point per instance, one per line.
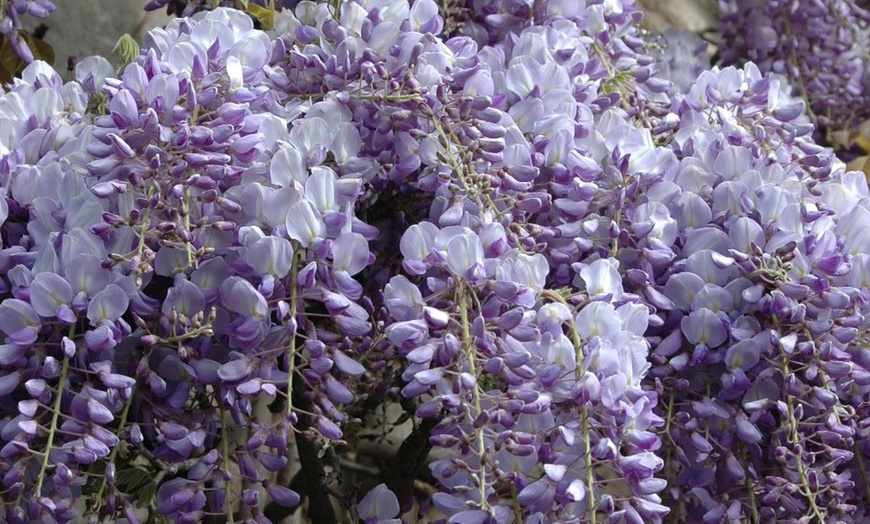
(291, 349)
(54, 417)
(584, 414)
(114, 453)
(472, 369)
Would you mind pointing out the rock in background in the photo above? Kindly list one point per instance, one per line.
(694, 15)
(82, 28)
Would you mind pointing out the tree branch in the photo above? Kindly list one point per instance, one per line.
(407, 461)
(320, 508)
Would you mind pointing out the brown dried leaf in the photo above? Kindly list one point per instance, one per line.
(860, 164)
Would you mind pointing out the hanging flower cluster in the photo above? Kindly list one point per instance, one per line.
(681, 58)
(596, 298)
(760, 361)
(821, 46)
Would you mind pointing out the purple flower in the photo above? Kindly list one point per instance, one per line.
(602, 279)
(108, 305)
(464, 253)
(773, 35)
(19, 322)
(379, 506)
(304, 223)
(270, 256)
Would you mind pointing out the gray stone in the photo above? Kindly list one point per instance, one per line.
(694, 15)
(92, 27)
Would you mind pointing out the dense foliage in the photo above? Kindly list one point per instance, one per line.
(588, 293)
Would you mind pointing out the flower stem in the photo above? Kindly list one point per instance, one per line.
(114, 453)
(225, 442)
(863, 469)
(54, 416)
(472, 369)
(795, 441)
(855, 447)
(291, 349)
(667, 434)
(146, 222)
(749, 489)
(188, 247)
(584, 415)
(614, 246)
(799, 77)
(450, 138)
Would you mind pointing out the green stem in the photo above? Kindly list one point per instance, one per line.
(863, 468)
(450, 139)
(584, 415)
(123, 422)
(203, 331)
(54, 416)
(795, 441)
(291, 350)
(225, 442)
(188, 247)
(145, 223)
(749, 489)
(857, 450)
(590, 474)
(140, 249)
(667, 435)
(614, 247)
(518, 512)
(668, 416)
(800, 78)
(472, 369)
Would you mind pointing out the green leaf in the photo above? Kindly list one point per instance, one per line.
(265, 15)
(128, 48)
(132, 479)
(10, 64)
(146, 495)
(97, 104)
(139, 482)
(41, 49)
